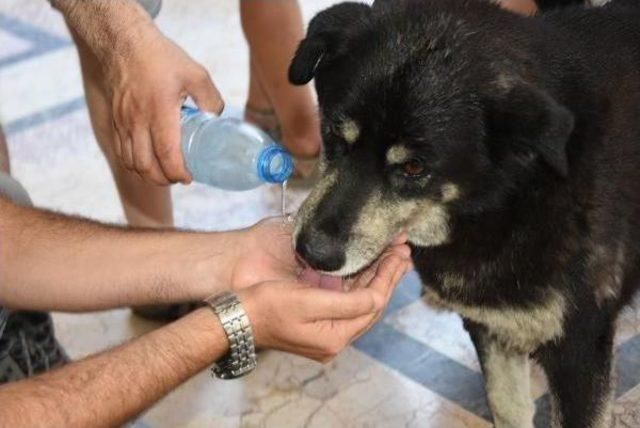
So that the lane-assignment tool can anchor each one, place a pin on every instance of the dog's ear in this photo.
(324, 39)
(526, 119)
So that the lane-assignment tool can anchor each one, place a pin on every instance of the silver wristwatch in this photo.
(241, 358)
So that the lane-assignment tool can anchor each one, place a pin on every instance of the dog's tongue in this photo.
(323, 281)
(331, 282)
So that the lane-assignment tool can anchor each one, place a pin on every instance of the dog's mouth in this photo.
(322, 280)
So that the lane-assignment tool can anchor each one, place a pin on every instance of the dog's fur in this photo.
(509, 148)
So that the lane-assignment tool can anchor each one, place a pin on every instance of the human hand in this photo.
(148, 80)
(264, 252)
(304, 319)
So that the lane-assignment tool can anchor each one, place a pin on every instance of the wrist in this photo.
(205, 262)
(111, 29)
(204, 330)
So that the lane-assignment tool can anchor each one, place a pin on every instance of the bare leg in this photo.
(4, 154)
(259, 109)
(524, 7)
(273, 30)
(145, 204)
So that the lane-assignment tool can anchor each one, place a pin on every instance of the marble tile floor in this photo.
(416, 368)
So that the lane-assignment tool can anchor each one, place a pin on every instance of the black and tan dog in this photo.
(509, 149)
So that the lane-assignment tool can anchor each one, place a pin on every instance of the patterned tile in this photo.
(34, 40)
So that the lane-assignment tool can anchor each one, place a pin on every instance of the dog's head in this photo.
(426, 114)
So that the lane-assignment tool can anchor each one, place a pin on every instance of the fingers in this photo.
(204, 92)
(144, 158)
(318, 304)
(117, 143)
(165, 135)
(153, 151)
(127, 152)
(362, 324)
(401, 238)
(390, 271)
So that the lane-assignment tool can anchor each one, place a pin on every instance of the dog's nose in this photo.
(320, 252)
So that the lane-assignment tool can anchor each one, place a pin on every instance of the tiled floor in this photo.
(416, 368)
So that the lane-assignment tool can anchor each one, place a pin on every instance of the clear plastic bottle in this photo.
(231, 154)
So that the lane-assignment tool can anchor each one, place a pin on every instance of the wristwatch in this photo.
(241, 358)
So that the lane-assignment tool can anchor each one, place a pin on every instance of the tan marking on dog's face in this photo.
(429, 226)
(322, 163)
(350, 131)
(450, 192)
(518, 329)
(398, 154)
(381, 220)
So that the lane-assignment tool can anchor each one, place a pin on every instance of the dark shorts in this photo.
(27, 342)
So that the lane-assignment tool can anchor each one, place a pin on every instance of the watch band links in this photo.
(241, 358)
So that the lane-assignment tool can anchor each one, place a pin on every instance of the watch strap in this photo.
(241, 358)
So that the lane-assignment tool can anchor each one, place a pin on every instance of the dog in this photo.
(508, 148)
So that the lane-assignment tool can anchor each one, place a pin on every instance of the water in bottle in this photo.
(231, 154)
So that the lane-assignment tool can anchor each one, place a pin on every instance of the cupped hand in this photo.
(148, 82)
(264, 252)
(300, 318)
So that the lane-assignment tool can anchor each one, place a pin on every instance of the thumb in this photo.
(204, 92)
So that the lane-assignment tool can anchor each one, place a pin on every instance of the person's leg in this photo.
(258, 109)
(273, 30)
(145, 204)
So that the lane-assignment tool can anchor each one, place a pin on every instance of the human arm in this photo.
(147, 78)
(110, 388)
(114, 386)
(54, 262)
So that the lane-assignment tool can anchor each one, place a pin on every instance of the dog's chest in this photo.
(519, 328)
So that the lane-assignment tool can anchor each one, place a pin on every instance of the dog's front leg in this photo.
(578, 367)
(507, 380)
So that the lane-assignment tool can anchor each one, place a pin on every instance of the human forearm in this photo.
(108, 27)
(54, 262)
(110, 388)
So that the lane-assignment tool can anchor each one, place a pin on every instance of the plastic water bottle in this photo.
(231, 154)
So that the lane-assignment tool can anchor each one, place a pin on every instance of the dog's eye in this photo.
(413, 168)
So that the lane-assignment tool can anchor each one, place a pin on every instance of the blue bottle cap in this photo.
(186, 111)
(275, 164)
